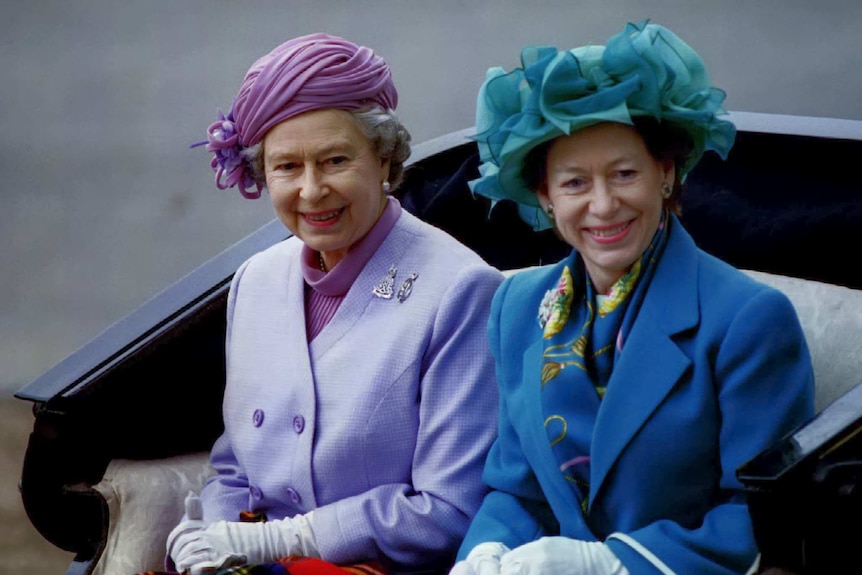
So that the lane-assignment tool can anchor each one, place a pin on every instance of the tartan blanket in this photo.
(294, 565)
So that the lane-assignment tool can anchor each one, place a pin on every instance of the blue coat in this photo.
(715, 369)
(382, 423)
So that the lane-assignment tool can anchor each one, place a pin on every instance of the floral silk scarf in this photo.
(585, 334)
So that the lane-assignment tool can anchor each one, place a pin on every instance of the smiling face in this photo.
(325, 180)
(606, 191)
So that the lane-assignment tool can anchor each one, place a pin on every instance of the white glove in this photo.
(561, 556)
(189, 548)
(483, 559)
(263, 542)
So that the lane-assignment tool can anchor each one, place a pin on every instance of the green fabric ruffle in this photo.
(645, 70)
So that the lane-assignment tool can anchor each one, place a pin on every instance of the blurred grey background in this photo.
(104, 204)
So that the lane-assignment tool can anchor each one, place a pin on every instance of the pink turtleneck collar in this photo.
(326, 290)
(338, 280)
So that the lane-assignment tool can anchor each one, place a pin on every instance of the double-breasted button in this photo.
(256, 493)
(257, 417)
(294, 496)
(298, 423)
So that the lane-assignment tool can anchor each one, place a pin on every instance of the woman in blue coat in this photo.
(637, 374)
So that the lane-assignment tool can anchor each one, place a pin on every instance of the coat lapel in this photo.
(651, 362)
(359, 296)
(287, 375)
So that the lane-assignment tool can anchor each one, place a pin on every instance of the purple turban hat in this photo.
(311, 72)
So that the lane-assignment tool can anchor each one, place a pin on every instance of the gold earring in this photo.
(666, 191)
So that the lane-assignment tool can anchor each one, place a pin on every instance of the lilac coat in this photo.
(381, 424)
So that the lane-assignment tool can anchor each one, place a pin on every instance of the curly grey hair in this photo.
(388, 136)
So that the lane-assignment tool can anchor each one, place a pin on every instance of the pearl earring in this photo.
(386, 187)
(550, 211)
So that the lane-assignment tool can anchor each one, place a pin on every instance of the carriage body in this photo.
(149, 388)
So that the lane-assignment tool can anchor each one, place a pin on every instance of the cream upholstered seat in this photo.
(145, 498)
(831, 318)
(145, 501)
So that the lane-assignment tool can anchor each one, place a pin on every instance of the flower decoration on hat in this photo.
(644, 71)
(230, 167)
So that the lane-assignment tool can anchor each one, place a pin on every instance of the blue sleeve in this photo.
(765, 388)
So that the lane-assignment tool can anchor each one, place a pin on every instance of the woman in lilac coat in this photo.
(360, 399)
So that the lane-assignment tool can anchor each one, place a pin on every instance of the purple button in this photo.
(256, 493)
(294, 496)
(298, 423)
(257, 417)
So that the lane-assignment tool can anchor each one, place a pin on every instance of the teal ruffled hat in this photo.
(645, 70)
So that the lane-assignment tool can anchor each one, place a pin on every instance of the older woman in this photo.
(638, 373)
(360, 395)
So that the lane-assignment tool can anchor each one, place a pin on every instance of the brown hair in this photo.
(663, 140)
